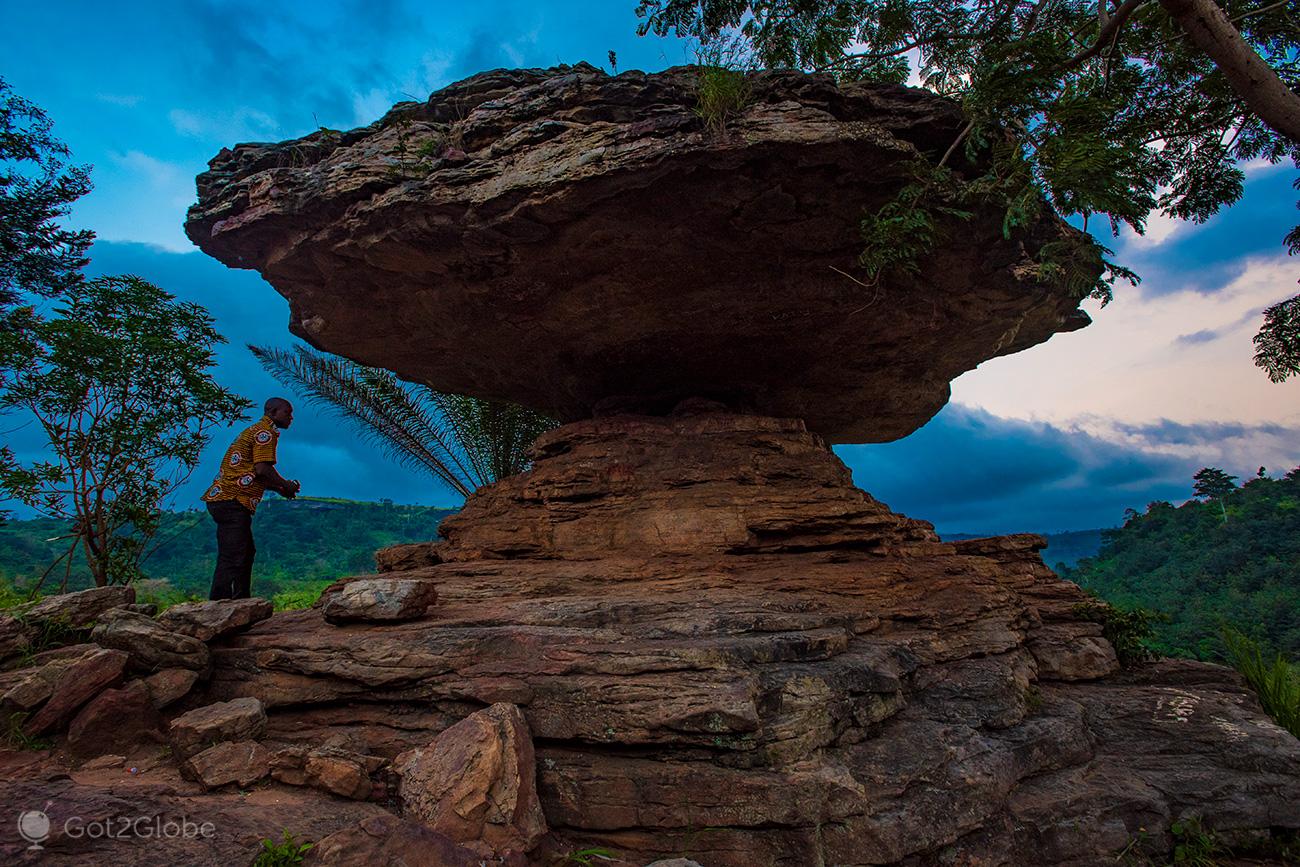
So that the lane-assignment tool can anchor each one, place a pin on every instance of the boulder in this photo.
(239, 720)
(35, 686)
(150, 645)
(170, 685)
(114, 721)
(15, 637)
(80, 608)
(485, 267)
(328, 768)
(477, 782)
(404, 558)
(390, 840)
(241, 762)
(210, 620)
(379, 600)
(75, 685)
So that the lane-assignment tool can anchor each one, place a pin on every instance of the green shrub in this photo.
(1276, 683)
(283, 854)
(1128, 630)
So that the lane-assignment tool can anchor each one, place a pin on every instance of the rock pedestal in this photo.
(725, 651)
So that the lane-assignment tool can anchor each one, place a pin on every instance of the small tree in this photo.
(37, 255)
(1213, 483)
(118, 378)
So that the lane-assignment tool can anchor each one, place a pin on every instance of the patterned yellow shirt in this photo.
(237, 481)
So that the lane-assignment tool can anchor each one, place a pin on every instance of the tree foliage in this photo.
(37, 187)
(118, 379)
(461, 441)
(1187, 563)
(1213, 483)
(1111, 110)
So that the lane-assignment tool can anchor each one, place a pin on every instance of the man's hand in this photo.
(276, 482)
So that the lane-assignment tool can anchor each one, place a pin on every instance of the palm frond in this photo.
(464, 442)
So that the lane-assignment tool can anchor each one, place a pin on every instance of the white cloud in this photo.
(241, 124)
(149, 197)
(369, 107)
(1183, 356)
(124, 100)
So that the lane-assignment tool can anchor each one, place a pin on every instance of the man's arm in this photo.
(266, 474)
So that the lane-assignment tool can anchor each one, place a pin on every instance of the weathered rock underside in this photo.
(724, 650)
(580, 244)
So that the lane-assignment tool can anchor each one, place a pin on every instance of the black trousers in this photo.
(233, 577)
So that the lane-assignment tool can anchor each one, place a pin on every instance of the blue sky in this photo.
(1066, 435)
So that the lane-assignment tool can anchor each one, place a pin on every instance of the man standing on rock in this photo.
(247, 470)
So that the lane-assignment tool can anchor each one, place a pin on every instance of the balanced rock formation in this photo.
(721, 649)
(577, 243)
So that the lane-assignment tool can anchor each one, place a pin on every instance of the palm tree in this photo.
(462, 441)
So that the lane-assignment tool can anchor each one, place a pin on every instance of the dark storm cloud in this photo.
(1166, 432)
(970, 471)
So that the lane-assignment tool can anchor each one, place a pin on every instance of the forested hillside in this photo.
(299, 542)
(1229, 559)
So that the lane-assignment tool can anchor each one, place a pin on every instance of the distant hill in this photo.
(1203, 571)
(1066, 548)
(302, 541)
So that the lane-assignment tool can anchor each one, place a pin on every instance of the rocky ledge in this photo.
(583, 244)
(690, 637)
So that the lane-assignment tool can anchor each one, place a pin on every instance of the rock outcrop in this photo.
(723, 649)
(581, 243)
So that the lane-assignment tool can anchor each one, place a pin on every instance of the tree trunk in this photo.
(1254, 81)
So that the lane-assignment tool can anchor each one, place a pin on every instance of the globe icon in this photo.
(34, 826)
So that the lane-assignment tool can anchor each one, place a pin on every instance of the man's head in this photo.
(280, 411)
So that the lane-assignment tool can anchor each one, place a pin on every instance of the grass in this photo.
(722, 90)
(1194, 845)
(585, 857)
(283, 854)
(1276, 682)
(15, 738)
(299, 597)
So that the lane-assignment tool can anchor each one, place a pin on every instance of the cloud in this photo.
(971, 471)
(238, 125)
(1184, 355)
(124, 100)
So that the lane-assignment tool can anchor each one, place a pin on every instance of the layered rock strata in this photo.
(725, 651)
(581, 243)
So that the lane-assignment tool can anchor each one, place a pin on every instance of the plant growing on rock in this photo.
(722, 89)
(285, 853)
(1275, 682)
(1113, 110)
(1128, 630)
(464, 442)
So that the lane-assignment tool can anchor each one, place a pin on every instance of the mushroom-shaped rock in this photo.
(580, 243)
(215, 618)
